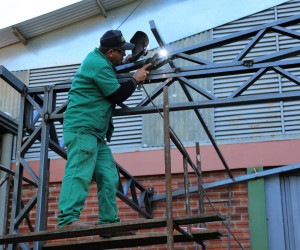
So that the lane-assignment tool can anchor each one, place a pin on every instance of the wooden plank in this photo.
(132, 241)
(107, 228)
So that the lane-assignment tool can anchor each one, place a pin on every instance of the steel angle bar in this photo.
(27, 219)
(220, 69)
(53, 133)
(31, 139)
(156, 92)
(43, 188)
(56, 117)
(287, 74)
(195, 87)
(62, 108)
(57, 149)
(204, 71)
(278, 55)
(221, 102)
(250, 45)
(168, 176)
(25, 211)
(255, 175)
(130, 66)
(248, 83)
(29, 171)
(287, 32)
(62, 86)
(156, 34)
(34, 104)
(236, 36)
(127, 176)
(237, 179)
(136, 203)
(192, 59)
(12, 80)
(13, 173)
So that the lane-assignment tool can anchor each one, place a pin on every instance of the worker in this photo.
(88, 125)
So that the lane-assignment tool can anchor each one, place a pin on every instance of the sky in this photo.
(16, 11)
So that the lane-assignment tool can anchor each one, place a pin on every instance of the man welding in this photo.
(88, 124)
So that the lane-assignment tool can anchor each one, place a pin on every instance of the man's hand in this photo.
(141, 74)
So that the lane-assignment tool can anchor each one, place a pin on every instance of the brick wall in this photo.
(219, 196)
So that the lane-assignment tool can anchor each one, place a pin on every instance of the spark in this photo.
(163, 53)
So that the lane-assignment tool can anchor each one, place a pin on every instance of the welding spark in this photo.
(163, 53)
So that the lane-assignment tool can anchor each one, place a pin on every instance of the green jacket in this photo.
(89, 111)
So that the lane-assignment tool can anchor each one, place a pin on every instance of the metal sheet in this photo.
(252, 120)
(57, 19)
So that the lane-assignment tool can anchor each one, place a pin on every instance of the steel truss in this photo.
(40, 102)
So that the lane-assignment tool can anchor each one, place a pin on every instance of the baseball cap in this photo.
(113, 39)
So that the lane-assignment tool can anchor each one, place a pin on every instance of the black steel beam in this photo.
(156, 92)
(221, 102)
(287, 32)
(13, 173)
(248, 83)
(12, 80)
(250, 45)
(236, 36)
(221, 69)
(287, 74)
(237, 179)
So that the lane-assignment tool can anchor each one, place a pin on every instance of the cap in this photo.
(113, 39)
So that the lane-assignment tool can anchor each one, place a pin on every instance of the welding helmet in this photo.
(141, 42)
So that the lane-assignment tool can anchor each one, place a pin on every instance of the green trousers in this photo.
(88, 158)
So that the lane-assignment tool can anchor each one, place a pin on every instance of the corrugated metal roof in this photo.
(57, 19)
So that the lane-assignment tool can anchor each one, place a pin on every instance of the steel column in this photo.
(43, 189)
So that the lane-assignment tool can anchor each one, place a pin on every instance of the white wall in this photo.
(175, 19)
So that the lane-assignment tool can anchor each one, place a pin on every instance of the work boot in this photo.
(75, 223)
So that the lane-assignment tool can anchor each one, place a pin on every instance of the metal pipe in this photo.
(6, 155)
(18, 179)
(229, 215)
(186, 189)
(168, 177)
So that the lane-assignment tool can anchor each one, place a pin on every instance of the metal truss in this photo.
(37, 104)
(40, 102)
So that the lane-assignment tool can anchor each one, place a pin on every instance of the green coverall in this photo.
(87, 121)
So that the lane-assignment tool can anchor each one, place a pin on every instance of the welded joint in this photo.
(46, 117)
(248, 63)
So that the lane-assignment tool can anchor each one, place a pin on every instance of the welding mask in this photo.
(141, 42)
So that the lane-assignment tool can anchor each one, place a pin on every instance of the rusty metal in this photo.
(186, 188)
(229, 215)
(168, 176)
